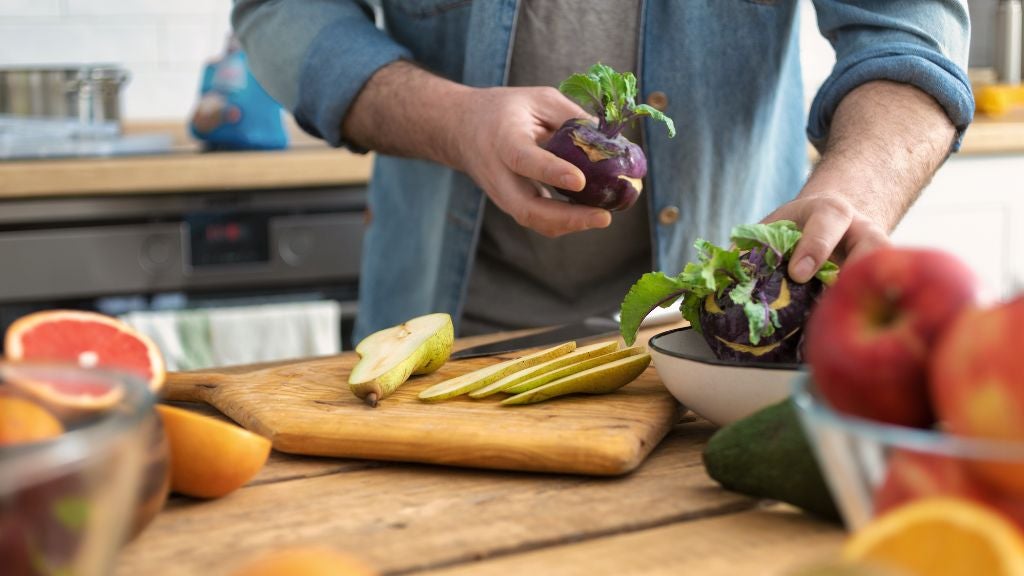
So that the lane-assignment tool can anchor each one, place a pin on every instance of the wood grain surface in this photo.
(306, 408)
(666, 517)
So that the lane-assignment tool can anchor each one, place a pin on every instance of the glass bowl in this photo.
(872, 467)
(68, 503)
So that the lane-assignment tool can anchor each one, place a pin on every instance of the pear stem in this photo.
(371, 399)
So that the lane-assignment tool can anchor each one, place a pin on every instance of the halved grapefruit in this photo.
(89, 339)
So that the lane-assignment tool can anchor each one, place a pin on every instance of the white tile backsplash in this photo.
(30, 8)
(218, 8)
(76, 43)
(182, 40)
(166, 92)
(164, 44)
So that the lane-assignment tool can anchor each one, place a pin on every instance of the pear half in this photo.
(388, 358)
(571, 358)
(601, 379)
(484, 376)
(542, 379)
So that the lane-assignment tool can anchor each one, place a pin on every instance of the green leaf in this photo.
(761, 319)
(612, 97)
(690, 308)
(828, 273)
(781, 236)
(585, 90)
(718, 268)
(629, 88)
(651, 290)
(655, 114)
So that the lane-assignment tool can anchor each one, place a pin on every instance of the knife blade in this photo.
(587, 329)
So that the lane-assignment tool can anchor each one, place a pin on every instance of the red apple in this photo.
(914, 475)
(977, 384)
(869, 337)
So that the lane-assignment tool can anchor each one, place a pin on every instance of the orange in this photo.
(23, 421)
(306, 561)
(88, 339)
(941, 537)
(210, 458)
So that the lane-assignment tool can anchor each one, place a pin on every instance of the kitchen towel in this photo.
(192, 339)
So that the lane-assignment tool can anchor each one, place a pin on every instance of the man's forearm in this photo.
(405, 111)
(885, 143)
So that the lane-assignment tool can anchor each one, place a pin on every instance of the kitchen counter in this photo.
(185, 168)
(666, 517)
(307, 163)
(995, 135)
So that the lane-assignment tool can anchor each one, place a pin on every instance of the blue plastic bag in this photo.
(234, 112)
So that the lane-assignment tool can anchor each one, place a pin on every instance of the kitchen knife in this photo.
(589, 328)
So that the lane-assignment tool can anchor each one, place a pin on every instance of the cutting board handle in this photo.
(192, 386)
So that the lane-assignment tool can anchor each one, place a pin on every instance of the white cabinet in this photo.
(974, 208)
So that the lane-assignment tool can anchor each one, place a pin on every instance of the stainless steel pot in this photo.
(89, 93)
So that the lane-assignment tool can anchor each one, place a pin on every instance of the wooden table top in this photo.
(667, 517)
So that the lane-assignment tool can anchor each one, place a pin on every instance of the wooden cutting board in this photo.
(306, 408)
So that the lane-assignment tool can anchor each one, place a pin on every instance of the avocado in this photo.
(767, 455)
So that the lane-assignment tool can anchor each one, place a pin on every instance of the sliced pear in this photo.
(570, 358)
(601, 379)
(564, 371)
(388, 358)
(484, 376)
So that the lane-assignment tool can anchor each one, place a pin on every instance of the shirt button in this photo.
(668, 215)
(657, 100)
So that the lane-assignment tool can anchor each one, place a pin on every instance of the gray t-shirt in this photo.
(520, 278)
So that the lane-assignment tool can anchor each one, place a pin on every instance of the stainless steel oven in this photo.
(133, 251)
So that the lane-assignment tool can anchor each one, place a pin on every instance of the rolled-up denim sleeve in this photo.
(919, 42)
(314, 56)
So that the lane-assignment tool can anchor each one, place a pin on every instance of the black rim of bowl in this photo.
(653, 345)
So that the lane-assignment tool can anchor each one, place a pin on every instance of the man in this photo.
(447, 94)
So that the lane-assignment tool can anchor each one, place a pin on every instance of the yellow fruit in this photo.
(306, 561)
(23, 421)
(210, 458)
(941, 537)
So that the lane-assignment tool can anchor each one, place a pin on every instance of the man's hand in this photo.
(498, 141)
(493, 134)
(885, 143)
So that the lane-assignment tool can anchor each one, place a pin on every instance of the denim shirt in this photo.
(729, 69)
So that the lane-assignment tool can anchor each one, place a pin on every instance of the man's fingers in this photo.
(520, 199)
(823, 231)
(864, 236)
(553, 218)
(528, 159)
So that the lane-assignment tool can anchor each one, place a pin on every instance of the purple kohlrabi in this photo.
(613, 166)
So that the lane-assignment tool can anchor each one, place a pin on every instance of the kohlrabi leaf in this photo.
(612, 97)
(650, 291)
(585, 90)
(655, 114)
(828, 272)
(717, 270)
(780, 237)
(761, 319)
(737, 273)
(690, 307)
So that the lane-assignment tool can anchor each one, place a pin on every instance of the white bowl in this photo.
(719, 391)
